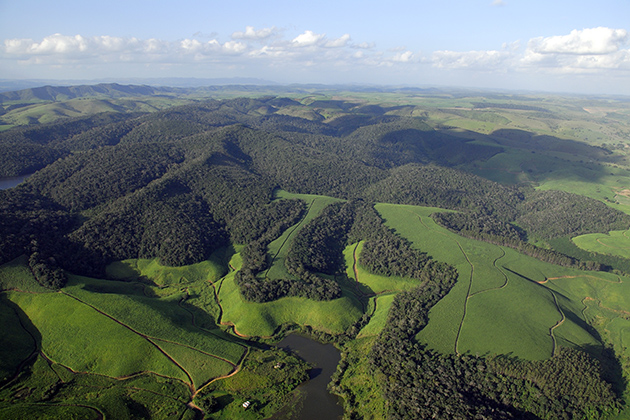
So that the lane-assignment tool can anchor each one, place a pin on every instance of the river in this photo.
(318, 403)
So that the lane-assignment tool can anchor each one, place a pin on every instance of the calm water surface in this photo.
(318, 404)
(12, 181)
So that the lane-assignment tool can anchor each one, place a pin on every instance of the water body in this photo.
(12, 181)
(318, 403)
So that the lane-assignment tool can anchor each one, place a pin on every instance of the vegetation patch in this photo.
(267, 380)
(81, 338)
(614, 243)
(262, 319)
(151, 270)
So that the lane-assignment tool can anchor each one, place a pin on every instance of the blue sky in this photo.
(552, 45)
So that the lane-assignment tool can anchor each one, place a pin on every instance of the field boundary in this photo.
(297, 225)
(560, 322)
(470, 279)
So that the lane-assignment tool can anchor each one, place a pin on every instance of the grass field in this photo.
(279, 247)
(614, 243)
(15, 275)
(262, 319)
(161, 318)
(134, 269)
(498, 304)
(117, 328)
(17, 342)
(77, 336)
(379, 317)
(370, 283)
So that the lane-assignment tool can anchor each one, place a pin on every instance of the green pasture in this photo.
(160, 318)
(150, 269)
(262, 319)
(370, 283)
(77, 336)
(116, 328)
(202, 367)
(49, 411)
(614, 243)
(278, 248)
(378, 320)
(497, 305)
(15, 275)
(363, 380)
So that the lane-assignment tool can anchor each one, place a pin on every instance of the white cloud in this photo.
(307, 39)
(582, 51)
(498, 3)
(252, 34)
(486, 60)
(403, 57)
(342, 41)
(586, 41)
(597, 52)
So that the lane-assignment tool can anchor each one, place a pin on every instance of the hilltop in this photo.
(441, 221)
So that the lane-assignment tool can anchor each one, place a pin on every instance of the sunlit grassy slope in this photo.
(117, 328)
(614, 243)
(500, 303)
(262, 319)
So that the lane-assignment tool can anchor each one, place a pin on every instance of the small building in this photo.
(246, 404)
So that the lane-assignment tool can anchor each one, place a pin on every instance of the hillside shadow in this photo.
(30, 333)
(539, 157)
(610, 367)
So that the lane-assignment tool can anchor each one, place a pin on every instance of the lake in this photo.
(318, 402)
(12, 181)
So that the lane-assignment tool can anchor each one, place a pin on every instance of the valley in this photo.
(466, 252)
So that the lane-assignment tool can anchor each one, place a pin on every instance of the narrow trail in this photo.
(619, 281)
(560, 322)
(220, 317)
(599, 241)
(355, 269)
(619, 312)
(190, 384)
(99, 414)
(470, 280)
(297, 225)
(218, 321)
(506, 280)
(145, 336)
(354, 266)
(236, 370)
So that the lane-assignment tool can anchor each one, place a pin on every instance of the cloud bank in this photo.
(596, 51)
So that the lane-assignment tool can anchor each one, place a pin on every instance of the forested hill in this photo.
(59, 93)
(121, 185)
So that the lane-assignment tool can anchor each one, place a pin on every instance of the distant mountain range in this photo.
(8, 85)
(62, 93)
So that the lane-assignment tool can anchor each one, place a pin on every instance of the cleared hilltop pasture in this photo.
(614, 243)
(500, 304)
(114, 329)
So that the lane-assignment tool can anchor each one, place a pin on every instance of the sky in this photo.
(572, 46)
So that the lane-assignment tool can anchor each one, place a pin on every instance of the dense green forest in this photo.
(186, 182)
